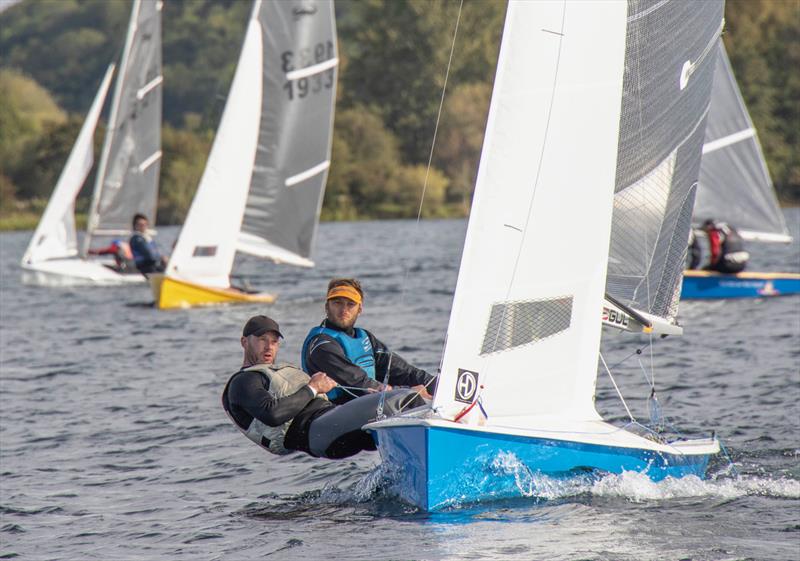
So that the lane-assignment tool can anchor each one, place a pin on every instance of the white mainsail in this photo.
(735, 185)
(533, 272)
(531, 283)
(264, 181)
(127, 176)
(55, 236)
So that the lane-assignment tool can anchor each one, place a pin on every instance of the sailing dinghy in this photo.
(735, 187)
(602, 103)
(127, 176)
(262, 188)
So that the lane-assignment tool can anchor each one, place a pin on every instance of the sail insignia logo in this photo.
(466, 385)
(615, 317)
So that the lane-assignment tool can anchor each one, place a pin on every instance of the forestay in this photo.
(664, 108)
(735, 185)
(128, 173)
(299, 93)
(524, 321)
(55, 235)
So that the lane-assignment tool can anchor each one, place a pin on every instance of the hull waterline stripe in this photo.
(310, 172)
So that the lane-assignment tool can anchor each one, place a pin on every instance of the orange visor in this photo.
(344, 292)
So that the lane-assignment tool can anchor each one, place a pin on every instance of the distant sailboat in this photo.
(127, 177)
(598, 109)
(263, 185)
(735, 187)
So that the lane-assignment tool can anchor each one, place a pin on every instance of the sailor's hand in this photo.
(321, 383)
(422, 391)
(381, 388)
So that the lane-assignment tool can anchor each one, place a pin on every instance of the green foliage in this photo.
(26, 110)
(44, 157)
(763, 41)
(184, 158)
(367, 177)
(460, 138)
(394, 55)
(398, 55)
(65, 45)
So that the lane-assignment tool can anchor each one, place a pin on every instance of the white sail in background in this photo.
(531, 283)
(735, 185)
(661, 136)
(127, 177)
(55, 235)
(207, 244)
(263, 184)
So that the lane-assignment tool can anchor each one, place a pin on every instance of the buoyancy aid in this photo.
(144, 252)
(284, 380)
(357, 349)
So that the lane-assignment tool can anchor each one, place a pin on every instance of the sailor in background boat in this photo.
(726, 247)
(283, 409)
(695, 251)
(352, 356)
(123, 256)
(145, 250)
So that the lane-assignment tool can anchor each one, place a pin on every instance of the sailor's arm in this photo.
(252, 394)
(401, 373)
(326, 355)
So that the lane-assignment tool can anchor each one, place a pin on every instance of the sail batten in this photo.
(720, 143)
(302, 176)
(311, 70)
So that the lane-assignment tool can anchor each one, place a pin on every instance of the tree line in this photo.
(394, 56)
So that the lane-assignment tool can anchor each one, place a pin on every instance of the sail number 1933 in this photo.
(303, 58)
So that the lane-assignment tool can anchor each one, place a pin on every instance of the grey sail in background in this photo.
(735, 185)
(128, 172)
(666, 95)
(293, 154)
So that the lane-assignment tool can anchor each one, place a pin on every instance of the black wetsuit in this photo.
(317, 427)
(247, 396)
(390, 368)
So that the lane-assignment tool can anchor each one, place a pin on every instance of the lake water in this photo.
(113, 444)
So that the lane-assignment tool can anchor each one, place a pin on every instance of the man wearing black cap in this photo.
(276, 405)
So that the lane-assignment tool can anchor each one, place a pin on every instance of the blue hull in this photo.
(435, 467)
(748, 285)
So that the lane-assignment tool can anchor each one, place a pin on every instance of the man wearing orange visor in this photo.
(352, 356)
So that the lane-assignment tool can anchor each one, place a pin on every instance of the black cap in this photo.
(258, 325)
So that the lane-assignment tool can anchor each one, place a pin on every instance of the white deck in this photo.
(76, 272)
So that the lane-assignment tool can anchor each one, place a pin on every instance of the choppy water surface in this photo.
(113, 444)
